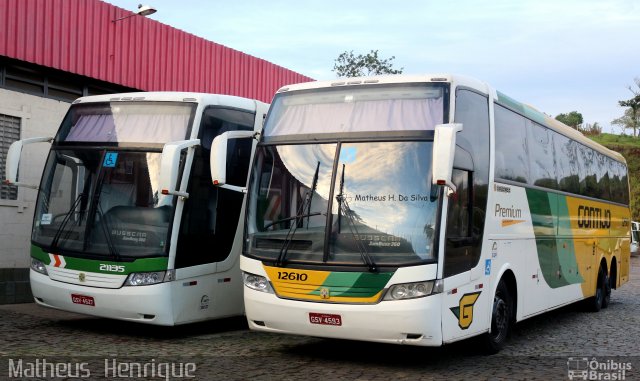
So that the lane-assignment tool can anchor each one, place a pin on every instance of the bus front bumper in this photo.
(144, 304)
(413, 321)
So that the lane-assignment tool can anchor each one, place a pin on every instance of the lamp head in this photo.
(145, 10)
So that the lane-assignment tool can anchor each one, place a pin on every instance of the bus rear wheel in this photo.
(607, 292)
(596, 302)
(500, 320)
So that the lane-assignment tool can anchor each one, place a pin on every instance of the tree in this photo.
(591, 129)
(349, 65)
(630, 118)
(572, 119)
(626, 121)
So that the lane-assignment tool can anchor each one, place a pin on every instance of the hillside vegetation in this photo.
(629, 147)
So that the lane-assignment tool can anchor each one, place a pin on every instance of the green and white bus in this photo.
(424, 210)
(128, 224)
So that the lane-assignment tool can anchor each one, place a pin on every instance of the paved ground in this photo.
(539, 348)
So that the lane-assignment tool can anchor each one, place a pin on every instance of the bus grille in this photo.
(84, 278)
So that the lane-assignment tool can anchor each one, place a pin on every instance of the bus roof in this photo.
(174, 96)
(459, 80)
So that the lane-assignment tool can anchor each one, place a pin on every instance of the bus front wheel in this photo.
(500, 320)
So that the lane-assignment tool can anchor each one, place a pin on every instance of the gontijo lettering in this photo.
(593, 218)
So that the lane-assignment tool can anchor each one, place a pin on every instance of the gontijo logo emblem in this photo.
(464, 311)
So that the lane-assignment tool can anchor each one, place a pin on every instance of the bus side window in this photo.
(211, 215)
(459, 253)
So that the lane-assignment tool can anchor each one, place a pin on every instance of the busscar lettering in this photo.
(509, 212)
(128, 235)
(501, 188)
(590, 217)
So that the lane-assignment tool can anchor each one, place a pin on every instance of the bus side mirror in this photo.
(13, 160)
(170, 167)
(218, 158)
(444, 149)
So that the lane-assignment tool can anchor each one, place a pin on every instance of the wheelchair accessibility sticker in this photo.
(110, 160)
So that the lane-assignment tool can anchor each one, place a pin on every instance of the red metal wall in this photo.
(78, 36)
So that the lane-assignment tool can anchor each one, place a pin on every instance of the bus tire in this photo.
(607, 292)
(500, 320)
(595, 303)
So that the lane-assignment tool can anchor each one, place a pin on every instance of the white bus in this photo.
(424, 210)
(128, 224)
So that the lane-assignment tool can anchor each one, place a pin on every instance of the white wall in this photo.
(40, 117)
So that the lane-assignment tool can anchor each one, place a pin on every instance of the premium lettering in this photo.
(509, 212)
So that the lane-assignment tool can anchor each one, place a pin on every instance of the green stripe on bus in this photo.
(348, 284)
(92, 265)
(40, 255)
(566, 247)
(556, 255)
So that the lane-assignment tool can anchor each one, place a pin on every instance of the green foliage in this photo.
(626, 121)
(630, 119)
(572, 119)
(349, 65)
(612, 140)
(629, 147)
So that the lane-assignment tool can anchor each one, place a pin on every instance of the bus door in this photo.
(209, 241)
(463, 314)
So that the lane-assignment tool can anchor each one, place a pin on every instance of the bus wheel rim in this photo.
(500, 317)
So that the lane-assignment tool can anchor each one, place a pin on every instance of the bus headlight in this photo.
(414, 290)
(38, 266)
(257, 282)
(145, 279)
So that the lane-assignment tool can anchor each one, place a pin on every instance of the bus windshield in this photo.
(99, 194)
(139, 122)
(102, 203)
(357, 109)
(374, 205)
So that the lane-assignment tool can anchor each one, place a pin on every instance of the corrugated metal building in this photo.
(53, 51)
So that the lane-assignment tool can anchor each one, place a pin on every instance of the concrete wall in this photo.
(40, 117)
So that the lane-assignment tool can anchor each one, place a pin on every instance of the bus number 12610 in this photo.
(286, 275)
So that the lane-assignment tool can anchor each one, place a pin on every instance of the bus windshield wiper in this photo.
(96, 208)
(306, 205)
(65, 221)
(314, 184)
(343, 208)
(106, 229)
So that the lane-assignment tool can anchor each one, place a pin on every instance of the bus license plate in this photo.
(83, 299)
(325, 319)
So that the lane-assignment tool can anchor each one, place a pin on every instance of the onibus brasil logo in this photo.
(583, 368)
